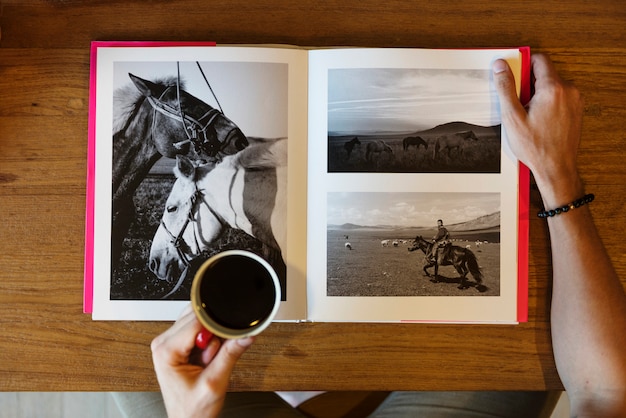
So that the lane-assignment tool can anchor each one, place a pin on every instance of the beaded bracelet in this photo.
(588, 198)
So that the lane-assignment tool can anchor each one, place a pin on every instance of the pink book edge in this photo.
(91, 154)
(524, 206)
(90, 184)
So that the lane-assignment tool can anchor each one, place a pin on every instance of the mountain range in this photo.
(481, 223)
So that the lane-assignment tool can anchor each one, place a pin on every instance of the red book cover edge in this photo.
(523, 205)
(91, 154)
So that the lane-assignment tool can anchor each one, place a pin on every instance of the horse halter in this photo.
(178, 241)
(199, 131)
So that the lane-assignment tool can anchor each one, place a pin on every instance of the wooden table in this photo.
(47, 343)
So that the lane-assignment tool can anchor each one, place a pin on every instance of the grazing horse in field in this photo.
(245, 191)
(463, 260)
(413, 140)
(349, 145)
(455, 141)
(154, 119)
(376, 147)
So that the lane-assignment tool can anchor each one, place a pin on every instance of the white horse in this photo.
(456, 141)
(246, 191)
(376, 147)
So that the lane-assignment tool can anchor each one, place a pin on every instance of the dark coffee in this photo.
(237, 292)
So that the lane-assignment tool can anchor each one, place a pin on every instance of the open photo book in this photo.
(378, 183)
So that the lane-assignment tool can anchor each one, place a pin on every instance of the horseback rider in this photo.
(439, 240)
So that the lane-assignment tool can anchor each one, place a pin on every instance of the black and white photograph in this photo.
(413, 244)
(195, 146)
(402, 120)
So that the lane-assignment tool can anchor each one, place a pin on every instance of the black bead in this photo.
(588, 198)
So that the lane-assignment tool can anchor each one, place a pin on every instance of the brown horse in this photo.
(349, 145)
(463, 260)
(455, 141)
(414, 140)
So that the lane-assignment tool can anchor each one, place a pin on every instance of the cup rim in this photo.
(216, 328)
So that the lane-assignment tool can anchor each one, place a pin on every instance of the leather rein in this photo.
(178, 241)
(196, 132)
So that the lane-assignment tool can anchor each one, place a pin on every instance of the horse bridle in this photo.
(179, 242)
(196, 129)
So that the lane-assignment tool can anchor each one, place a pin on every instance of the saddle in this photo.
(443, 243)
(442, 251)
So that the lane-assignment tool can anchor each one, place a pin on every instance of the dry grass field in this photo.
(370, 269)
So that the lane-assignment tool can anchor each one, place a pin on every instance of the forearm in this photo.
(588, 301)
(588, 312)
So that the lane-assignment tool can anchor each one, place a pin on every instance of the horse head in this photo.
(467, 135)
(188, 225)
(415, 245)
(419, 244)
(180, 120)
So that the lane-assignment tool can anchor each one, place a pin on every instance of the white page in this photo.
(387, 94)
(244, 88)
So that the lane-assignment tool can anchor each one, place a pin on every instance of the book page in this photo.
(154, 103)
(406, 150)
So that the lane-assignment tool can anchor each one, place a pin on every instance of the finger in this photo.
(208, 354)
(203, 338)
(186, 311)
(175, 345)
(505, 87)
(543, 69)
(225, 359)
(186, 320)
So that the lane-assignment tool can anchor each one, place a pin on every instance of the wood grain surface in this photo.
(47, 343)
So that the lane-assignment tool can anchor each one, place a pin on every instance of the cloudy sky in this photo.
(408, 99)
(409, 209)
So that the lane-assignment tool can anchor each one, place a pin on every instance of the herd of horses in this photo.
(442, 144)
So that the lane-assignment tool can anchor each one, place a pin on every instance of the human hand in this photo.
(194, 390)
(546, 136)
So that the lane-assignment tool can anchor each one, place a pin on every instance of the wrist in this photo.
(556, 193)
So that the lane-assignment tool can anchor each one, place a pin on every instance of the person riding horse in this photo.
(439, 240)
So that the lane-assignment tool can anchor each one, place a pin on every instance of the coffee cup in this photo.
(235, 294)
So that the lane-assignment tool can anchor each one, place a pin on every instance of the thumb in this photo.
(504, 81)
